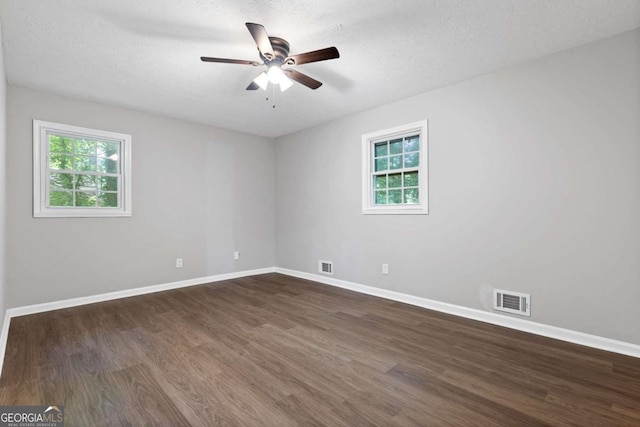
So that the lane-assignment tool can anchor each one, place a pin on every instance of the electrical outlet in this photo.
(385, 268)
(236, 255)
(178, 262)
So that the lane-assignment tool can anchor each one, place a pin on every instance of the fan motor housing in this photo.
(280, 49)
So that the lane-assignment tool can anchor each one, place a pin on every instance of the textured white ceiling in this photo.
(144, 54)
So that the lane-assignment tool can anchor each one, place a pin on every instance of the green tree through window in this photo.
(83, 172)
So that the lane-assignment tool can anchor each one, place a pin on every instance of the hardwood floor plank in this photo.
(188, 397)
(145, 401)
(273, 350)
(92, 402)
(305, 411)
(273, 388)
(74, 336)
(377, 361)
(22, 393)
(423, 380)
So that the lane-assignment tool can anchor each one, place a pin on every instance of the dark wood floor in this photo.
(276, 351)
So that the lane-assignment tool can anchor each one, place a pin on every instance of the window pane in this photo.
(394, 170)
(411, 143)
(108, 200)
(411, 179)
(411, 160)
(84, 172)
(411, 196)
(107, 183)
(86, 182)
(395, 180)
(85, 147)
(59, 181)
(395, 196)
(108, 149)
(60, 144)
(395, 162)
(61, 198)
(85, 164)
(85, 199)
(395, 146)
(381, 164)
(60, 162)
(107, 166)
(381, 149)
(381, 197)
(380, 181)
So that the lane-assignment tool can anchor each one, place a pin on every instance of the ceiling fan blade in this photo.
(315, 56)
(303, 79)
(259, 34)
(229, 61)
(253, 86)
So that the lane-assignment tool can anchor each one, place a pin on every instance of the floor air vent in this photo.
(512, 302)
(325, 267)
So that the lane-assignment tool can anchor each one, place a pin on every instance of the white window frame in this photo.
(41, 178)
(368, 141)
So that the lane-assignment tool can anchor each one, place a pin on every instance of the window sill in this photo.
(395, 211)
(84, 214)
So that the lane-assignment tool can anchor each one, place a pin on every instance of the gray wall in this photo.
(534, 187)
(199, 193)
(3, 163)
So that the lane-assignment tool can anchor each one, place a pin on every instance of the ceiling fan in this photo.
(274, 53)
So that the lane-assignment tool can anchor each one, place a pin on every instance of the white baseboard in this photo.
(575, 337)
(3, 337)
(74, 302)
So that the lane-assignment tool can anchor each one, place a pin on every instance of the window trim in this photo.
(40, 209)
(368, 140)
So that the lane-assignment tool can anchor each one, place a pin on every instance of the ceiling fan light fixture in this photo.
(285, 83)
(275, 74)
(262, 80)
(277, 77)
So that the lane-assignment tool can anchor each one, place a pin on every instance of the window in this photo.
(394, 168)
(79, 172)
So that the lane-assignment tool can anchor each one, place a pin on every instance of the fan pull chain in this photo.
(273, 95)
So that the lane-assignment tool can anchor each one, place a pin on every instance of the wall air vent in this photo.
(512, 302)
(325, 267)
